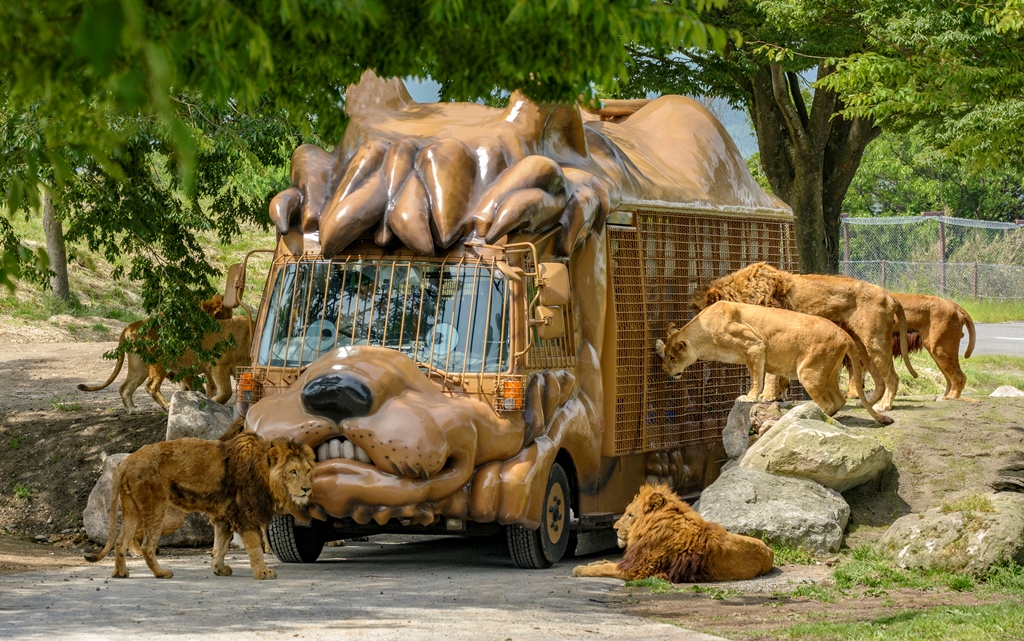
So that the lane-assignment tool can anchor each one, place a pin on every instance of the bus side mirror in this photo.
(234, 287)
(549, 322)
(553, 280)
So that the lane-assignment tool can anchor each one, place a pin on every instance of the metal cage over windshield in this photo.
(450, 315)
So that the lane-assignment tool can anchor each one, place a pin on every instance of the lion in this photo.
(936, 325)
(869, 313)
(666, 538)
(239, 481)
(773, 341)
(218, 374)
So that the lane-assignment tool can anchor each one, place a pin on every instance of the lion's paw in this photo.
(264, 574)
(224, 570)
(166, 574)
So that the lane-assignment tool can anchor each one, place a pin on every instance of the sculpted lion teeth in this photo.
(335, 448)
(348, 450)
(323, 452)
(361, 455)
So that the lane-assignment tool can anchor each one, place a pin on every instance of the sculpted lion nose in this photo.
(337, 396)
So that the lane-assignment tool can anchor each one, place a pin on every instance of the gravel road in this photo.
(390, 587)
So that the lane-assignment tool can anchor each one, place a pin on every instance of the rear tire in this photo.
(294, 544)
(545, 546)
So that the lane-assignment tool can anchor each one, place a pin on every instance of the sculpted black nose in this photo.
(337, 397)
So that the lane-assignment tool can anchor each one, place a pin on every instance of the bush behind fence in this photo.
(941, 255)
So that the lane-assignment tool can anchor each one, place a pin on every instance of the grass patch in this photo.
(100, 327)
(997, 621)
(14, 443)
(655, 584)
(786, 554)
(993, 311)
(973, 503)
(717, 594)
(60, 405)
(22, 492)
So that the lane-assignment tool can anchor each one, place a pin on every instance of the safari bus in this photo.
(461, 309)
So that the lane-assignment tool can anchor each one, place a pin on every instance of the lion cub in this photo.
(774, 341)
(240, 481)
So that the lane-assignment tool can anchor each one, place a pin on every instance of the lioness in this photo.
(666, 538)
(939, 323)
(239, 481)
(773, 341)
(218, 374)
(869, 313)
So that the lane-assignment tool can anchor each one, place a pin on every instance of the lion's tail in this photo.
(966, 320)
(115, 495)
(856, 369)
(113, 375)
(901, 318)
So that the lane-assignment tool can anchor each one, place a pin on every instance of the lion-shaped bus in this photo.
(462, 307)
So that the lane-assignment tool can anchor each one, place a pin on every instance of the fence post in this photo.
(975, 280)
(846, 245)
(883, 274)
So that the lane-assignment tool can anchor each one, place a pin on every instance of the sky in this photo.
(736, 122)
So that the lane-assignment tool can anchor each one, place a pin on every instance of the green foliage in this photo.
(952, 68)
(993, 311)
(972, 503)
(60, 405)
(960, 582)
(14, 443)
(786, 554)
(655, 584)
(901, 174)
(716, 594)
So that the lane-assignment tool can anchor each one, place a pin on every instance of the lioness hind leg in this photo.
(125, 536)
(150, 539)
(254, 547)
(606, 569)
(221, 540)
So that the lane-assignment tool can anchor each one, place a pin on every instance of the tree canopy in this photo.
(954, 69)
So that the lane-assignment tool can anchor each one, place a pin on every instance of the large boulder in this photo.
(966, 538)
(194, 414)
(195, 532)
(803, 445)
(792, 511)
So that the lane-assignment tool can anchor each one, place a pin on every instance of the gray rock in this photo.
(966, 540)
(736, 432)
(195, 532)
(1006, 390)
(781, 509)
(194, 414)
(825, 452)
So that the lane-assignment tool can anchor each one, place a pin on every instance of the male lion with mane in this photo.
(218, 373)
(869, 313)
(770, 341)
(666, 538)
(239, 481)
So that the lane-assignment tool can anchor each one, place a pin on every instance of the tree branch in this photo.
(798, 97)
(780, 92)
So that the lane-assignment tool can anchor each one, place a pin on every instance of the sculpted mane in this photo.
(428, 175)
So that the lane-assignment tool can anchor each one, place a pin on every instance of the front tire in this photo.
(545, 546)
(294, 544)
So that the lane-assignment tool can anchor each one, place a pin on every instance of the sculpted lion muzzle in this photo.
(389, 444)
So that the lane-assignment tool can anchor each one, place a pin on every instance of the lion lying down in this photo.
(240, 481)
(664, 537)
(774, 341)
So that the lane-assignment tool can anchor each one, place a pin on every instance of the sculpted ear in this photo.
(654, 501)
(659, 348)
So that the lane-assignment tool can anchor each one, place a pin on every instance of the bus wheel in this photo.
(545, 546)
(294, 544)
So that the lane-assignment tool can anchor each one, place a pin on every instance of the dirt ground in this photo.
(54, 438)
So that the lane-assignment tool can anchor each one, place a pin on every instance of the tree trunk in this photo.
(809, 156)
(55, 250)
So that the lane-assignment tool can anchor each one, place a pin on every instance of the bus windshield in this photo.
(452, 317)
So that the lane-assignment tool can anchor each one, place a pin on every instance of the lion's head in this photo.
(756, 284)
(292, 471)
(675, 353)
(643, 510)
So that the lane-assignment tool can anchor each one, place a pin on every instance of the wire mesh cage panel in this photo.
(657, 266)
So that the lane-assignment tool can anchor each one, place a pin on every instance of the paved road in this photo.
(997, 338)
(390, 587)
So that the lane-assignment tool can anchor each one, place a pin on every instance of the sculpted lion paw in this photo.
(264, 574)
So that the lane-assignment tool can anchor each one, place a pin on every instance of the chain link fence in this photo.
(941, 255)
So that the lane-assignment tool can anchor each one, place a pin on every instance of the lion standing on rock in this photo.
(664, 537)
(239, 481)
(869, 313)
